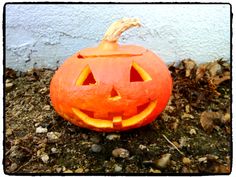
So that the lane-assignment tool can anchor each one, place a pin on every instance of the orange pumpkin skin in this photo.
(121, 88)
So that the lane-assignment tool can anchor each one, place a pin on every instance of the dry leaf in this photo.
(214, 68)
(189, 66)
(163, 161)
(210, 69)
(200, 71)
(217, 79)
(207, 120)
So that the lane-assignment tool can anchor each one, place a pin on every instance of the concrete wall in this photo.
(45, 35)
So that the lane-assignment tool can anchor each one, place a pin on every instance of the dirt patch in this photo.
(192, 135)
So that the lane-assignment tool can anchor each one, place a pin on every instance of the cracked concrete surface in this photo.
(45, 35)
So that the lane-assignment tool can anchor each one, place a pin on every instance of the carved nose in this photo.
(114, 95)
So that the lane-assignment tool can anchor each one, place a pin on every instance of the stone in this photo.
(112, 137)
(53, 136)
(186, 160)
(8, 85)
(117, 168)
(79, 170)
(192, 132)
(163, 161)
(142, 147)
(154, 171)
(41, 130)
(44, 158)
(120, 152)
(68, 171)
(58, 170)
(96, 148)
(202, 159)
(54, 150)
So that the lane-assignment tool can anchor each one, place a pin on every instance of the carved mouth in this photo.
(117, 121)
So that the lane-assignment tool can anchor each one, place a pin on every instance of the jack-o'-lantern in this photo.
(111, 87)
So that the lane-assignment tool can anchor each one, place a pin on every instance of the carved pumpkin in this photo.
(111, 87)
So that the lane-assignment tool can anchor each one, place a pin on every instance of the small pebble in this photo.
(142, 147)
(79, 170)
(8, 80)
(186, 160)
(163, 161)
(154, 171)
(187, 108)
(63, 168)
(68, 171)
(53, 136)
(120, 152)
(96, 148)
(36, 124)
(8, 85)
(192, 132)
(58, 170)
(202, 159)
(113, 137)
(117, 168)
(41, 130)
(46, 108)
(44, 158)
(54, 150)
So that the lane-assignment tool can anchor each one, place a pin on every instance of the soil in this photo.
(192, 135)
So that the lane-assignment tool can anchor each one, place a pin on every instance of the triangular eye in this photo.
(138, 74)
(86, 77)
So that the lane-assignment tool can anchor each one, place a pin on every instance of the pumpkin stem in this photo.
(113, 33)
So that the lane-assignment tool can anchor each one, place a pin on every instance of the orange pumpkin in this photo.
(111, 87)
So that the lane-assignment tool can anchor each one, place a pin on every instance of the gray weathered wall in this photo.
(45, 35)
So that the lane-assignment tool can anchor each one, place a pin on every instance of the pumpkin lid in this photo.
(121, 50)
(109, 45)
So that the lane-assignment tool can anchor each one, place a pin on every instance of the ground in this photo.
(192, 135)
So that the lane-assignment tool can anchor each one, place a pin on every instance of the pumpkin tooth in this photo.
(117, 121)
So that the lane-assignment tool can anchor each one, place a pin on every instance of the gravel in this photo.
(38, 140)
